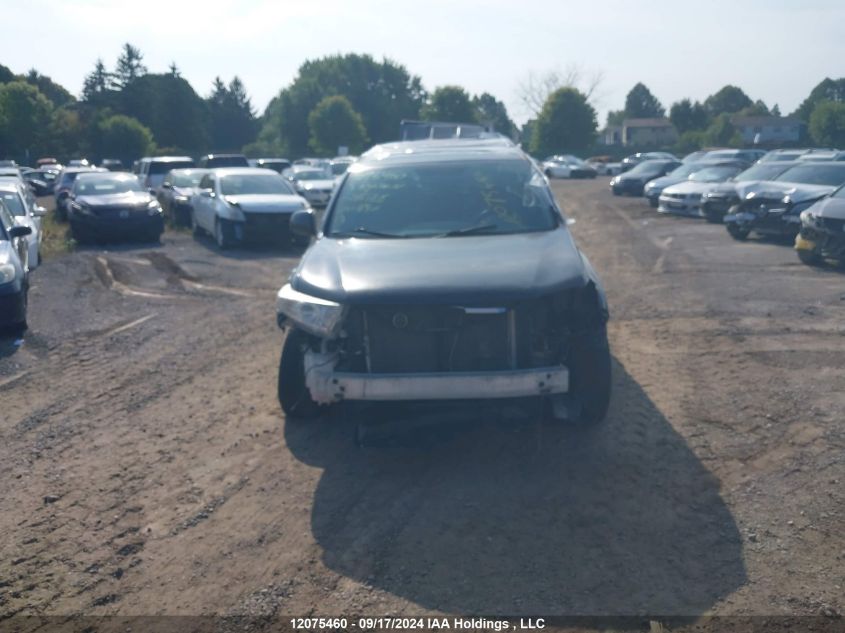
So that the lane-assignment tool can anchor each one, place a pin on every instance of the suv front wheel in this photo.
(294, 396)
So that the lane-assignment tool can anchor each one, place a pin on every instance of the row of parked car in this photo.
(231, 198)
(790, 194)
(20, 244)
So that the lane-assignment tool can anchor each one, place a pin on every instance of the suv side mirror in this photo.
(19, 231)
(302, 223)
(166, 185)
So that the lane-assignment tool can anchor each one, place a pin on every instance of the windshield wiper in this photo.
(470, 230)
(365, 231)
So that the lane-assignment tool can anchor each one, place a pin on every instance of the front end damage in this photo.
(822, 236)
(409, 352)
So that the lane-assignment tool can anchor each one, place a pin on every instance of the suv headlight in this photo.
(312, 314)
(153, 207)
(7, 273)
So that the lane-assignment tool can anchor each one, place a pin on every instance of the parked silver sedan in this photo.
(27, 213)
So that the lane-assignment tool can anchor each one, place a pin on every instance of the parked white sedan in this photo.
(567, 166)
(245, 204)
(27, 213)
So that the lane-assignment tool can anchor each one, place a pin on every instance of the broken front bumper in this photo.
(327, 386)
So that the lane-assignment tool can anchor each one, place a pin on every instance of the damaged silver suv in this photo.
(444, 270)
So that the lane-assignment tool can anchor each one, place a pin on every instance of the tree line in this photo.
(567, 121)
(349, 100)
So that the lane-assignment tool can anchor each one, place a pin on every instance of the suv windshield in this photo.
(246, 184)
(443, 199)
(815, 174)
(760, 171)
(106, 186)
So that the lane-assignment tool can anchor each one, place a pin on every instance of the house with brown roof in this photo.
(767, 130)
(657, 132)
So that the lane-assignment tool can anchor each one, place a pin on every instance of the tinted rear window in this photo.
(162, 167)
(227, 161)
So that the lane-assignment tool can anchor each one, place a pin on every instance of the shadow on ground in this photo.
(505, 518)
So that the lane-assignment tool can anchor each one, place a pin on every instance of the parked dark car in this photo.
(276, 164)
(716, 202)
(822, 232)
(14, 273)
(113, 206)
(112, 164)
(445, 273)
(175, 194)
(213, 161)
(633, 182)
(774, 208)
(37, 184)
(64, 184)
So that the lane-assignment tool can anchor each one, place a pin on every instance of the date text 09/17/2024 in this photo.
(415, 624)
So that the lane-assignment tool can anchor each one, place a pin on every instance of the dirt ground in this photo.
(148, 470)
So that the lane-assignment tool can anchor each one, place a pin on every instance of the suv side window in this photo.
(206, 182)
(6, 218)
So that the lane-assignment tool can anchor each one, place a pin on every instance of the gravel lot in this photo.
(147, 468)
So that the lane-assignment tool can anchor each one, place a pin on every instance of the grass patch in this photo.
(56, 240)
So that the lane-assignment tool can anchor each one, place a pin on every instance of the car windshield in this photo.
(815, 174)
(13, 202)
(338, 169)
(106, 186)
(714, 174)
(249, 184)
(647, 167)
(311, 175)
(684, 170)
(227, 161)
(187, 179)
(760, 171)
(489, 197)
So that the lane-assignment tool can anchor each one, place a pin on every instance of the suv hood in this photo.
(665, 181)
(833, 208)
(772, 190)
(266, 203)
(307, 185)
(129, 199)
(484, 270)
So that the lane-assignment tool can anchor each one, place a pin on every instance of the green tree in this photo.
(615, 117)
(121, 136)
(827, 90)
(567, 123)
(6, 75)
(758, 108)
(129, 67)
(722, 133)
(383, 93)
(449, 103)
(690, 141)
(728, 99)
(827, 124)
(490, 110)
(232, 117)
(49, 88)
(67, 133)
(333, 123)
(687, 116)
(641, 104)
(169, 107)
(96, 89)
(25, 116)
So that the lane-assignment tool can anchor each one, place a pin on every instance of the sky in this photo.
(775, 50)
